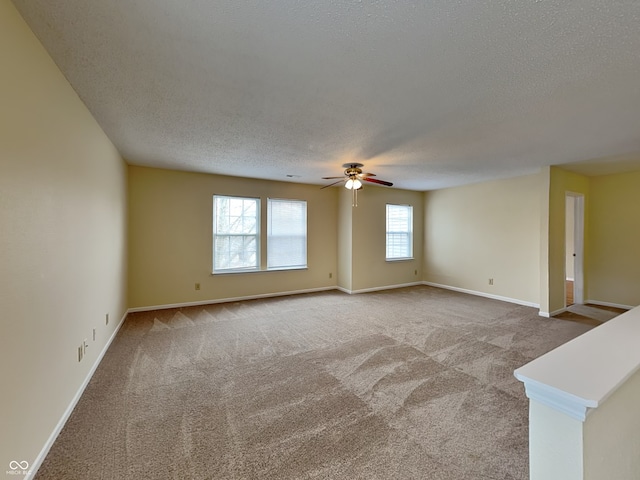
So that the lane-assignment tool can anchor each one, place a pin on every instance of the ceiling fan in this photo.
(353, 178)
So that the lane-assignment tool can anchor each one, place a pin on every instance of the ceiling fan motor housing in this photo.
(352, 168)
(352, 171)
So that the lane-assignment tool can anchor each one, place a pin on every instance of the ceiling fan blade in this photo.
(375, 180)
(367, 174)
(331, 184)
(331, 178)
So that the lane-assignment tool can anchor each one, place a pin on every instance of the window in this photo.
(236, 233)
(286, 234)
(399, 232)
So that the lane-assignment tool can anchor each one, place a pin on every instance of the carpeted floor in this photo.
(414, 383)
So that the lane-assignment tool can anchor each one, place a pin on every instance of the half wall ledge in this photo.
(583, 405)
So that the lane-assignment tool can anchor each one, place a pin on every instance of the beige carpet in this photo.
(414, 383)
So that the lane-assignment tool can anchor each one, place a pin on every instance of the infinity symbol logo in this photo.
(13, 465)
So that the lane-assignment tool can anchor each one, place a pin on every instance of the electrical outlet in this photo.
(491, 281)
(107, 319)
(415, 272)
(85, 345)
(80, 353)
(330, 275)
(94, 334)
(197, 286)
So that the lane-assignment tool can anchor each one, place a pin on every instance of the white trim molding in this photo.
(566, 385)
(582, 373)
(551, 314)
(229, 299)
(377, 289)
(483, 294)
(571, 405)
(74, 401)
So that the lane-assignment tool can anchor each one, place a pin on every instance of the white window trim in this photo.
(257, 236)
(306, 235)
(399, 259)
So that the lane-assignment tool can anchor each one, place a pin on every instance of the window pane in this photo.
(286, 233)
(235, 233)
(399, 231)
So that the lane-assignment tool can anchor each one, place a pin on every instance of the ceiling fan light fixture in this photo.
(353, 184)
(354, 180)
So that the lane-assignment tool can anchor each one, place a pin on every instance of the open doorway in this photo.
(574, 248)
(576, 309)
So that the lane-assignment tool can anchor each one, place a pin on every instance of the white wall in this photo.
(62, 241)
(555, 444)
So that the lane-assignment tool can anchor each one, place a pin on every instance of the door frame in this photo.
(578, 246)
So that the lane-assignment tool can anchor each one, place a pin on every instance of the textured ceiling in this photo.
(427, 94)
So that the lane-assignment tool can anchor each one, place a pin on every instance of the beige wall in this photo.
(553, 290)
(486, 230)
(170, 238)
(345, 240)
(614, 235)
(611, 236)
(611, 440)
(370, 270)
(62, 238)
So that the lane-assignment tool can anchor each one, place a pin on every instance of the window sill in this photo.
(236, 272)
(405, 259)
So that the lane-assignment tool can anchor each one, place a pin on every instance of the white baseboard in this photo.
(229, 299)
(377, 289)
(552, 314)
(483, 294)
(609, 304)
(67, 413)
(63, 420)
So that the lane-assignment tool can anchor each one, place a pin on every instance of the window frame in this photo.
(256, 236)
(269, 217)
(408, 233)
